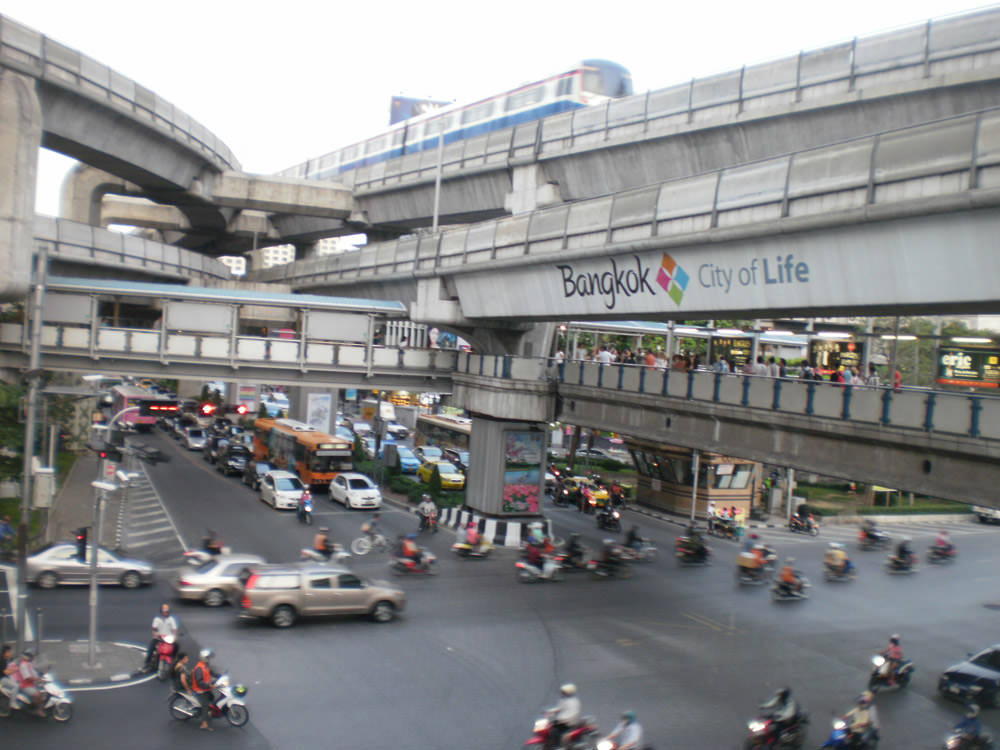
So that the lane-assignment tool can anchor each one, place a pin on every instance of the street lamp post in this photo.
(102, 489)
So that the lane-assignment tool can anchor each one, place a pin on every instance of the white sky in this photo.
(281, 82)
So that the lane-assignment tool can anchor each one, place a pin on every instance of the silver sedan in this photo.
(59, 564)
(215, 581)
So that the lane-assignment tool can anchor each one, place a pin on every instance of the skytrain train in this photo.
(590, 82)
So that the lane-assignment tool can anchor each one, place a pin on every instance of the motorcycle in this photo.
(580, 737)
(198, 557)
(165, 649)
(939, 554)
(404, 565)
(226, 700)
(601, 569)
(464, 549)
(617, 496)
(784, 593)
(691, 557)
(574, 563)
(752, 574)
(764, 733)
(528, 573)
(645, 552)
(896, 566)
(836, 575)
(610, 520)
(428, 522)
(880, 674)
(959, 740)
(873, 539)
(808, 525)
(338, 553)
(722, 527)
(843, 738)
(57, 702)
(305, 510)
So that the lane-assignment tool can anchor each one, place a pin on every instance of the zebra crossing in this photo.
(145, 528)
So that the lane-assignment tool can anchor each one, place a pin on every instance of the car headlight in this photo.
(839, 724)
(605, 745)
(976, 689)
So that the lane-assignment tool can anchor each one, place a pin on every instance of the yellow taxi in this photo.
(596, 494)
(451, 477)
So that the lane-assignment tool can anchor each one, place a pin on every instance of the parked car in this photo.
(194, 439)
(977, 679)
(255, 471)
(598, 453)
(355, 490)
(369, 446)
(216, 581)
(214, 444)
(361, 429)
(281, 489)
(408, 461)
(181, 425)
(58, 564)
(451, 477)
(429, 453)
(398, 431)
(284, 593)
(233, 458)
(457, 457)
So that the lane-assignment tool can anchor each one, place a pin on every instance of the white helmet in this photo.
(568, 689)
(836, 545)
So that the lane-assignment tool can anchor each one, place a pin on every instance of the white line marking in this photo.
(165, 511)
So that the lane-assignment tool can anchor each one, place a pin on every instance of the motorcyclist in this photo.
(565, 715)
(782, 708)
(611, 556)
(211, 543)
(692, 544)
(868, 529)
(574, 550)
(6, 656)
(412, 551)
(304, 499)
(606, 515)
(836, 558)
(164, 624)
(321, 542)
(943, 544)
(632, 539)
(427, 510)
(789, 580)
(627, 733)
(536, 554)
(616, 493)
(29, 680)
(472, 534)
(970, 727)
(894, 657)
(904, 554)
(202, 679)
(749, 564)
(862, 720)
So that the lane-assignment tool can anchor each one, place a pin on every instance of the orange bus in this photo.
(289, 444)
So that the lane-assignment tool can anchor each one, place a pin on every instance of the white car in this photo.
(282, 489)
(194, 438)
(361, 429)
(355, 491)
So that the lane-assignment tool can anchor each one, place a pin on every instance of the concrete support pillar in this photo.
(530, 189)
(506, 478)
(82, 194)
(20, 139)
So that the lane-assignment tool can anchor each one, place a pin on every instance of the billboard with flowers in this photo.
(522, 471)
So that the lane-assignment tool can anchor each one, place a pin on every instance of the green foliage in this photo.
(262, 411)
(434, 484)
(11, 431)
(359, 450)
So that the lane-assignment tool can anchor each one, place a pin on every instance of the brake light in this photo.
(245, 602)
(251, 581)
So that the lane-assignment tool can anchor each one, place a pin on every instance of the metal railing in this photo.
(941, 161)
(28, 51)
(971, 415)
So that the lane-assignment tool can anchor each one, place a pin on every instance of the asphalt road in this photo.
(476, 655)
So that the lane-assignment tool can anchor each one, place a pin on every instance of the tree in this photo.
(11, 431)
(434, 485)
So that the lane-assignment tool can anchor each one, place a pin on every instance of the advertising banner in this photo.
(830, 355)
(736, 350)
(971, 368)
(522, 471)
(318, 411)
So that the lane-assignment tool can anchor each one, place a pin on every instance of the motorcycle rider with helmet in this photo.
(202, 679)
(632, 538)
(782, 709)
(894, 657)
(836, 558)
(628, 732)
(29, 681)
(611, 556)
(427, 510)
(565, 715)
(903, 559)
(972, 730)
(942, 545)
(574, 550)
(692, 544)
(322, 544)
(862, 720)
(412, 551)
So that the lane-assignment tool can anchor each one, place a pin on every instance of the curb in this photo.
(119, 678)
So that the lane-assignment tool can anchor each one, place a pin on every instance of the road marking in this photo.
(149, 532)
(710, 623)
(165, 511)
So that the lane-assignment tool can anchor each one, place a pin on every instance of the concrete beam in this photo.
(139, 212)
(20, 138)
(282, 195)
(499, 398)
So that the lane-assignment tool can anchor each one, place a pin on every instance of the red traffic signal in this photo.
(207, 409)
(81, 543)
(241, 409)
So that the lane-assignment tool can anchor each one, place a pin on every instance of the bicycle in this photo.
(365, 544)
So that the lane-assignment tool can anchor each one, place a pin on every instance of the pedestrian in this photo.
(897, 381)
(773, 371)
(6, 654)
(604, 357)
(783, 368)
(650, 359)
(403, 343)
(872, 381)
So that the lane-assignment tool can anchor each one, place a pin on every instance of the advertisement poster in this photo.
(830, 355)
(736, 350)
(318, 411)
(247, 394)
(522, 471)
(969, 368)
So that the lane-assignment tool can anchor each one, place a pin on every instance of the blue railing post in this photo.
(776, 400)
(496, 365)
(690, 392)
(562, 372)
(600, 375)
(745, 400)
(975, 406)
(811, 397)
(929, 411)
(482, 357)
(716, 386)
(642, 380)
(507, 362)
(666, 381)
(468, 363)
(582, 365)
(845, 411)
(621, 375)
(886, 405)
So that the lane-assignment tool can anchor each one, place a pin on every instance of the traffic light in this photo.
(110, 452)
(81, 544)
(207, 409)
(241, 409)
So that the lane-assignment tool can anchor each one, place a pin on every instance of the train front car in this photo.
(603, 80)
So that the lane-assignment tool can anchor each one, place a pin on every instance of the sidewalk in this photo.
(69, 661)
(73, 506)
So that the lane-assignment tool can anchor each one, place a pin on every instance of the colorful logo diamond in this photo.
(672, 278)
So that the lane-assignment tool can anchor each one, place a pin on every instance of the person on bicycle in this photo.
(371, 528)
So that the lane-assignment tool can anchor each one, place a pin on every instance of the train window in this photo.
(565, 86)
(349, 154)
(375, 145)
(523, 98)
(397, 137)
(593, 81)
(477, 113)
(330, 160)
(437, 125)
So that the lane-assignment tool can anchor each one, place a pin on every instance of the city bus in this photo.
(289, 444)
(444, 431)
(126, 396)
